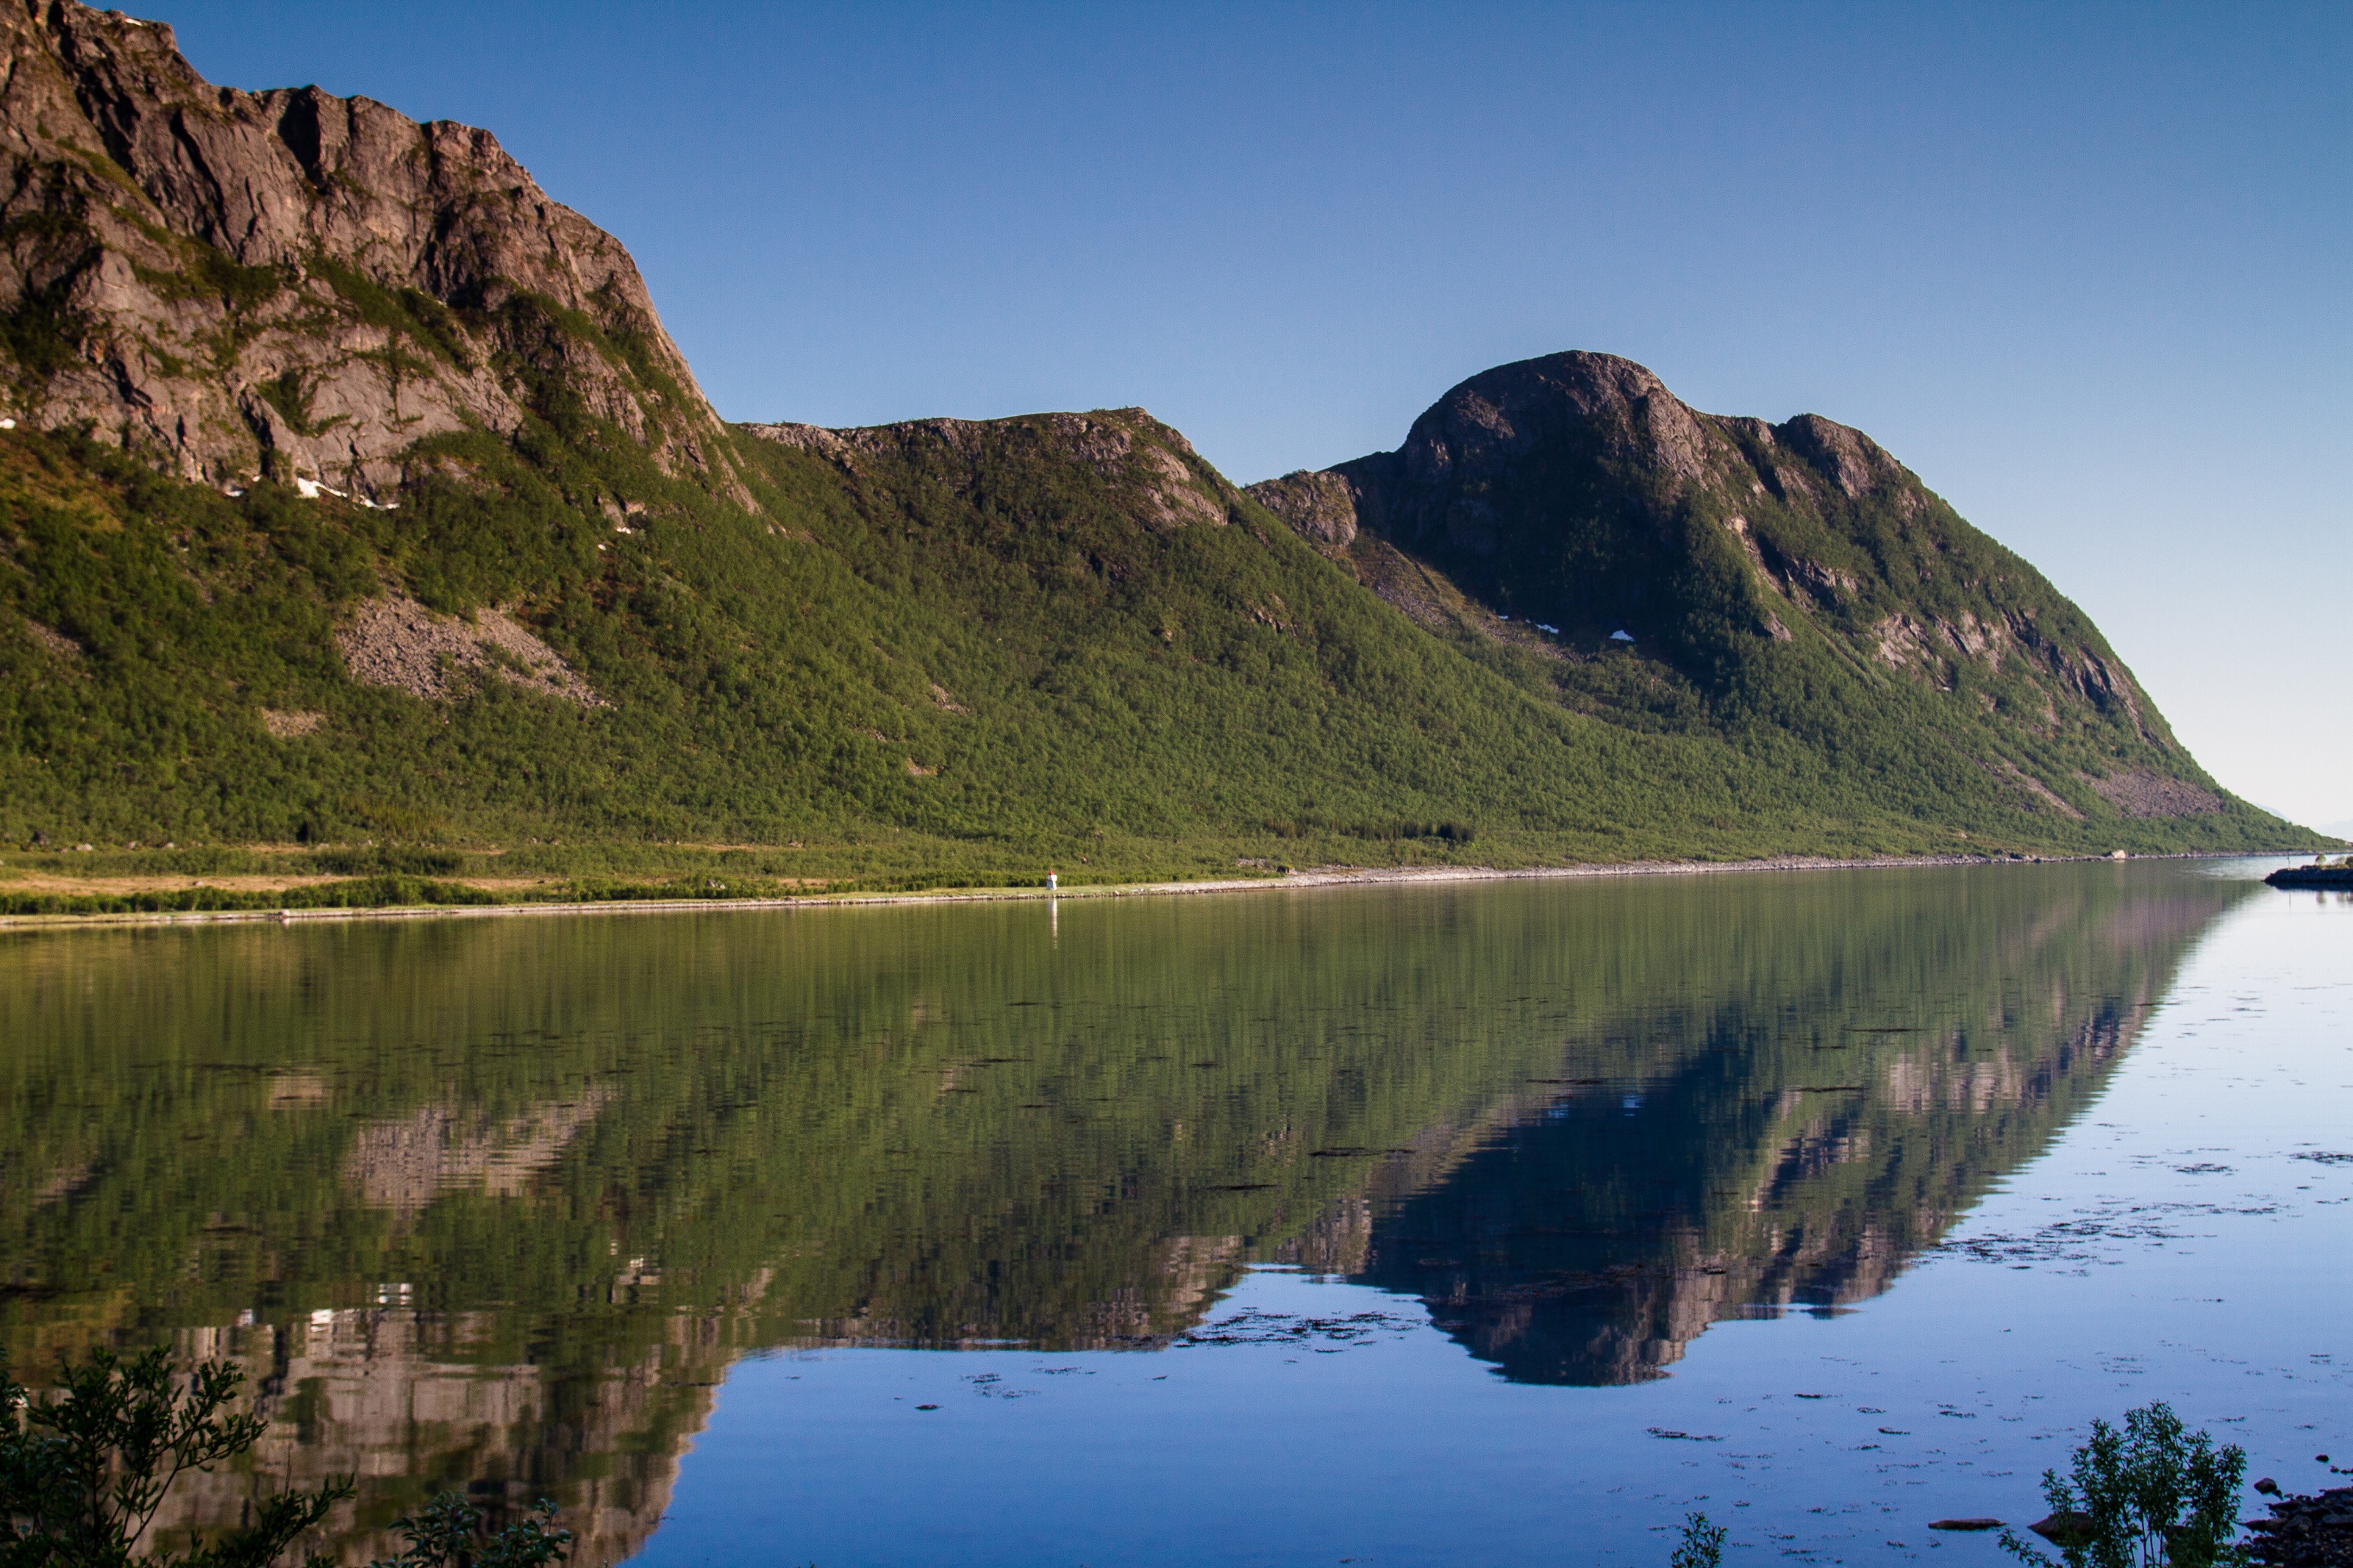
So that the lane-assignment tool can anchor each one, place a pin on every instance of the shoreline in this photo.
(1315, 877)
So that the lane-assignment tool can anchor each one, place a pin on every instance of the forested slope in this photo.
(355, 495)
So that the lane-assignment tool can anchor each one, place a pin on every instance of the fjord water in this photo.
(1453, 1224)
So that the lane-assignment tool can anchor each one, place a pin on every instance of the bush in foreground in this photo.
(2145, 1495)
(84, 1472)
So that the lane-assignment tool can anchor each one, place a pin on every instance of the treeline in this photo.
(1380, 831)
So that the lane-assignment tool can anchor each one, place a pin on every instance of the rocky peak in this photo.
(232, 282)
(1319, 506)
(1604, 409)
(1848, 456)
(1506, 412)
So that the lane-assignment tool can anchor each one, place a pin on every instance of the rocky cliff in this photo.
(1573, 506)
(290, 283)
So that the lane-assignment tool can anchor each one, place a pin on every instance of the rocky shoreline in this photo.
(2314, 1531)
(2313, 876)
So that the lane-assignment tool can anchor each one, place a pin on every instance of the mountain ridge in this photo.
(294, 283)
(1728, 542)
(356, 493)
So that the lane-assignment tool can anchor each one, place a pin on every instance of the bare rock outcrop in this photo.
(230, 283)
(398, 642)
(2142, 793)
(1319, 506)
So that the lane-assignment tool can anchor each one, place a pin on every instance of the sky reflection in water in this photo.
(1434, 1225)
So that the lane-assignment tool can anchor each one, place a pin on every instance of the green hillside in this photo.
(974, 667)
(375, 510)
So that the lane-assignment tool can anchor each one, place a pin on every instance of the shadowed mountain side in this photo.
(1790, 575)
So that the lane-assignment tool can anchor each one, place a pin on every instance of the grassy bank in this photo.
(274, 877)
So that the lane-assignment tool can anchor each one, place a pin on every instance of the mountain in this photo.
(1688, 570)
(290, 284)
(354, 493)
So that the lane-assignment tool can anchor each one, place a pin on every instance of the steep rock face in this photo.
(233, 283)
(1761, 566)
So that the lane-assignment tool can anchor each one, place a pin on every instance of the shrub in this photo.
(82, 1474)
(2126, 1501)
(1703, 1543)
(447, 1533)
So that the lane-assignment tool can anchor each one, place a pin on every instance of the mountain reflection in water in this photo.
(496, 1203)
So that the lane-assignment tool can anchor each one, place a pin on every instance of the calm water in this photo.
(1472, 1225)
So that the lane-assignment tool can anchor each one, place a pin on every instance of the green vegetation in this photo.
(83, 1473)
(927, 667)
(2145, 1497)
(1702, 1545)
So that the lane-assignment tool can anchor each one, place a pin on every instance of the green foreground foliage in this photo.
(1702, 1545)
(450, 1533)
(2145, 1496)
(84, 1474)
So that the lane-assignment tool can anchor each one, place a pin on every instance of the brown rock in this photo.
(2314, 1531)
(231, 283)
(1318, 506)
(2141, 793)
(398, 642)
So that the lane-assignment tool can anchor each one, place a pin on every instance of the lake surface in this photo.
(1475, 1224)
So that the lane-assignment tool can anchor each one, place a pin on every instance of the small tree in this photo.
(1703, 1544)
(447, 1533)
(2131, 1491)
(83, 1473)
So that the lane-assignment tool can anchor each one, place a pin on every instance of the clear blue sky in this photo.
(2085, 269)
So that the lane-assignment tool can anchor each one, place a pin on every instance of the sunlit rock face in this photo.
(230, 282)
